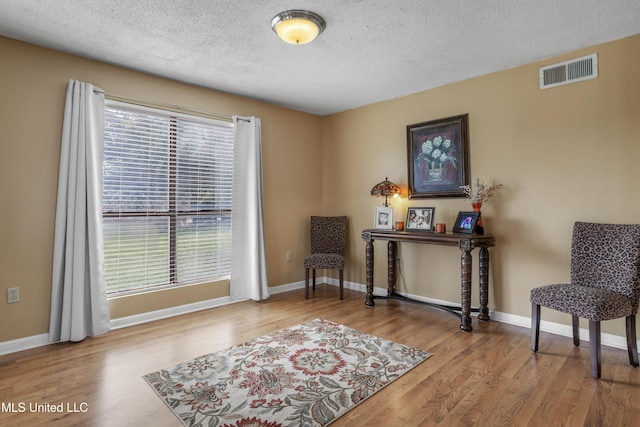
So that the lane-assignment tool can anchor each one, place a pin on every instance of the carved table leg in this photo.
(369, 274)
(391, 265)
(484, 284)
(465, 285)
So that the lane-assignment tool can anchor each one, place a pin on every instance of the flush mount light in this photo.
(297, 26)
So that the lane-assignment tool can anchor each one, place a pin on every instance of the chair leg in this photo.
(575, 322)
(306, 283)
(535, 326)
(341, 284)
(632, 344)
(594, 348)
(314, 279)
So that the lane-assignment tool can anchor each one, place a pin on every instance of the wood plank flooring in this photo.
(488, 377)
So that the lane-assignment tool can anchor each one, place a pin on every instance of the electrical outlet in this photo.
(13, 295)
(288, 256)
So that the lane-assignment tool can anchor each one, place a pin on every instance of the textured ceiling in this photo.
(372, 50)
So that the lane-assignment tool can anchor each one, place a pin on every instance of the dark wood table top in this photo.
(429, 237)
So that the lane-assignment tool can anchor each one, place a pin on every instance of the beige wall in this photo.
(563, 155)
(33, 83)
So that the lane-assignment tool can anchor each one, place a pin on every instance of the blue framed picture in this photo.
(467, 222)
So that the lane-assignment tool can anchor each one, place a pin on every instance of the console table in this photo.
(465, 242)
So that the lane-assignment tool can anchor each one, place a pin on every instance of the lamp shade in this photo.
(385, 188)
(297, 26)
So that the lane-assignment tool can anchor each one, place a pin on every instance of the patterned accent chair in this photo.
(605, 263)
(328, 241)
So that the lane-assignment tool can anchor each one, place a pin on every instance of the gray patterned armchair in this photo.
(328, 241)
(605, 263)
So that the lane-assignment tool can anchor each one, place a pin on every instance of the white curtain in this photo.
(248, 263)
(78, 297)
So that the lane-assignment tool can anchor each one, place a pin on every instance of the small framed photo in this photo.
(383, 217)
(420, 219)
(466, 222)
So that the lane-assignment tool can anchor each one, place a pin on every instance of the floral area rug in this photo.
(306, 375)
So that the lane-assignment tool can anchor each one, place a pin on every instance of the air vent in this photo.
(572, 71)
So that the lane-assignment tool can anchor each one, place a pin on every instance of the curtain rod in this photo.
(170, 107)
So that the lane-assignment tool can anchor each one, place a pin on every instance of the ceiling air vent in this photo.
(572, 71)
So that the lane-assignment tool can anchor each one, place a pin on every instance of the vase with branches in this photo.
(479, 192)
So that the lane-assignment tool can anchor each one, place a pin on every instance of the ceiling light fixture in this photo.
(297, 26)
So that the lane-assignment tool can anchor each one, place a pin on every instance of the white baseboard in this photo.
(289, 287)
(26, 343)
(150, 316)
(608, 340)
(122, 322)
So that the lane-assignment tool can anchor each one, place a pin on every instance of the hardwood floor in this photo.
(488, 377)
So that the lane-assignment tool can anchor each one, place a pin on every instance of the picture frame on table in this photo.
(383, 217)
(466, 222)
(438, 157)
(420, 219)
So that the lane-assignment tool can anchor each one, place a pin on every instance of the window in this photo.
(166, 201)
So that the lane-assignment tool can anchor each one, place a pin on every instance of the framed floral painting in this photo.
(438, 155)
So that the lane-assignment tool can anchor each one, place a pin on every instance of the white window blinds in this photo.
(167, 191)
